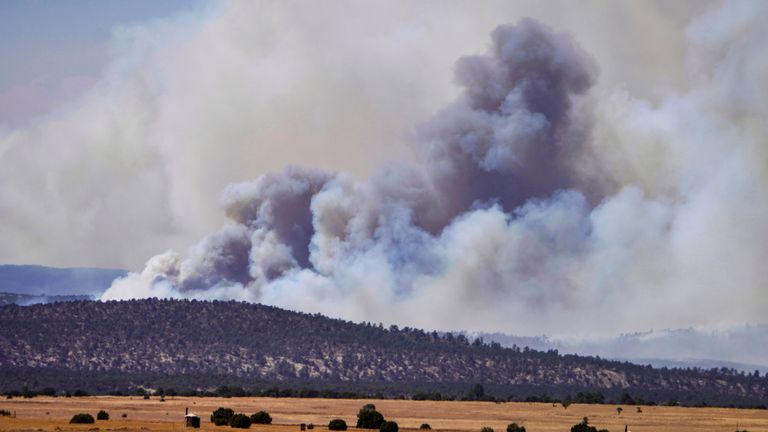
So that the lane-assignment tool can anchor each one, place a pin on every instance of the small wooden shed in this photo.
(191, 420)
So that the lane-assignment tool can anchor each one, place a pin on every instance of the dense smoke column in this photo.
(512, 135)
(279, 202)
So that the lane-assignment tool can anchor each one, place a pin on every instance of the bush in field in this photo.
(261, 417)
(486, 429)
(310, 426)
(102, 415)
(514, 427)
(222, 416)
(369, 418)
(82, 418)
(585, 427)
(389, 426)
(5, 413)
(241, 421)
(337, 425)
(425, 426)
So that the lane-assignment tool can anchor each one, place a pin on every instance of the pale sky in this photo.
(51, 51)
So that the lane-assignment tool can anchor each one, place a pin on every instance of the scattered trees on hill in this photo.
(198, 332)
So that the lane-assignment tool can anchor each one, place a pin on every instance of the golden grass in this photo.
(53, 414)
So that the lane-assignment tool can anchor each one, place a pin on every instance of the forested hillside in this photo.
(107, 346)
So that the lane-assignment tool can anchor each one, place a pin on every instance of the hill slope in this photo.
(130, 343)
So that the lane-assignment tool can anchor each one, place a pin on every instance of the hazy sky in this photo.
(52, 51)
(601, 159)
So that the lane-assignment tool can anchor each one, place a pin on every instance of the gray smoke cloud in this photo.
(513, 135)
(536, 203)
(510, 137)
(544, 196)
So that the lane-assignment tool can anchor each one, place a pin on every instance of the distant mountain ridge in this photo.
(742, 347)
(30, 299)
(700, 363)
(191, 344)
(51, 281)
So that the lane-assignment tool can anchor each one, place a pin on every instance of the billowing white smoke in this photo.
(535, 204)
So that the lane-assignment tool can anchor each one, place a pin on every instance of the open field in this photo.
(53, 414)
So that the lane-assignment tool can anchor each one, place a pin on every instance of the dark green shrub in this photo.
(369, 418)
(124, 415)
(337, 425)
(102, 415)
(389, 426)
(241, 421)
(310, 426)
(261, 417)
(514, 427)
(486, 429)
(585, 427)
(82, 418)
(222, 416)
(425, 426)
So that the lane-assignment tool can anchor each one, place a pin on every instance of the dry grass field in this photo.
(53, 414)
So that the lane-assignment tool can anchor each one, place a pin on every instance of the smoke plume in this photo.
(534, 204)
(599, 169)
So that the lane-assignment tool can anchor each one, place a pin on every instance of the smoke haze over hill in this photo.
(543, 195)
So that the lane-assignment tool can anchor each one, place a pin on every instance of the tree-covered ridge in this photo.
(252, 341)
